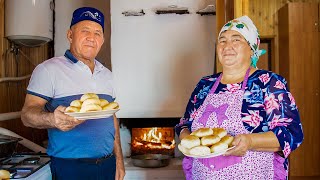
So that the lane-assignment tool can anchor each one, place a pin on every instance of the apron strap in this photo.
(244, 84)
(246, 77)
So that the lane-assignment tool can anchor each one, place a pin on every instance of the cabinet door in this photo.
(304, 85)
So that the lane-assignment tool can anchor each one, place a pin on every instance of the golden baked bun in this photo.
(202, 132)
(103, 102)
(190, 141)
(200, 151)
(227, 140)
(218, 147)
(4, 174)
(88, 95)
(110, 106)
(72, 109)
(76, 103)
(91, 101)
(209, 140)
(183, 149)
(90, 108)
(220, 132)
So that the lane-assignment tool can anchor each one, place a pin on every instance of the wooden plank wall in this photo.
(12, 94)
(264, 14)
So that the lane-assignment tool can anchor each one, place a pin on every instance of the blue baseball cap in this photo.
(87, 13)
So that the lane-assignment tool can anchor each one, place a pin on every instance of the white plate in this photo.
(211, 154)
(92, 115)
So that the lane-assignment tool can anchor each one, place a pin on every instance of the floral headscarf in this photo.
(249, 31)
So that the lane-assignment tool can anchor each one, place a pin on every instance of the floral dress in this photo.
(267, 106)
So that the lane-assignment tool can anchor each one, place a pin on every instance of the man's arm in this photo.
(120, 171)
(33, 115)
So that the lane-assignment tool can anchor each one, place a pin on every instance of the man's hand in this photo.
(62, 121)
(242, 143)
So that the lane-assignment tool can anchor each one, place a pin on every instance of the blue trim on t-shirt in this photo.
(70, 56)
(39, 95)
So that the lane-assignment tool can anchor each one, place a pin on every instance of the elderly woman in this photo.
(253, 105)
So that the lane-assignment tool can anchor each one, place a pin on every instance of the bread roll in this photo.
(200, 151)
(220, 132)
(90, 108)
(227, 140)
(72, 109)
(4, 174)
(103, 102)
(190, 141)
(76, 103)
(88, 95)
(209, 140)
(218, 147)
(202, 132)
(110, 106)
(91, 101)
(183, 149)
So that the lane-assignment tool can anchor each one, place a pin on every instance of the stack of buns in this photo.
(205, 141)
(90, 102)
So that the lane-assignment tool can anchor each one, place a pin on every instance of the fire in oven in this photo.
(154, 140)
(25, 166)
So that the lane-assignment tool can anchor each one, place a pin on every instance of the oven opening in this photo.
(150, 136)
(153, 140)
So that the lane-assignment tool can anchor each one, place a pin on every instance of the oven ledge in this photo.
(172, 171)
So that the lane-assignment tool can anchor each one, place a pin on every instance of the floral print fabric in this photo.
(267, 105)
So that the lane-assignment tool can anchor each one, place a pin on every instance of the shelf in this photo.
(209, 10)
(173, 9)
(207, 13)
(134, 13)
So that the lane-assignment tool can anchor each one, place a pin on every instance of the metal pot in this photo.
(151, 160)
(8, 145)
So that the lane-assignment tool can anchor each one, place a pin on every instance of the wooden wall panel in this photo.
(306, 159)
(264, 15)
(12, 94)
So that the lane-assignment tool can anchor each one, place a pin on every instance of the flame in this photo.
(153, 139)
(152, 136)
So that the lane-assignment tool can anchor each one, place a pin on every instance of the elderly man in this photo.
(79, 149)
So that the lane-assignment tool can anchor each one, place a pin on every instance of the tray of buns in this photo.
(90, 106)
(206, 143)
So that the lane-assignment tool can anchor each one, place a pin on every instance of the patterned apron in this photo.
(224, 110)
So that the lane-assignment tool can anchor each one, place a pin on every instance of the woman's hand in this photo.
(242, 143)
(185, 132)
(266, 142)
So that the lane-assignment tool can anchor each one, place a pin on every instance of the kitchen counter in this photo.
(172, 171)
